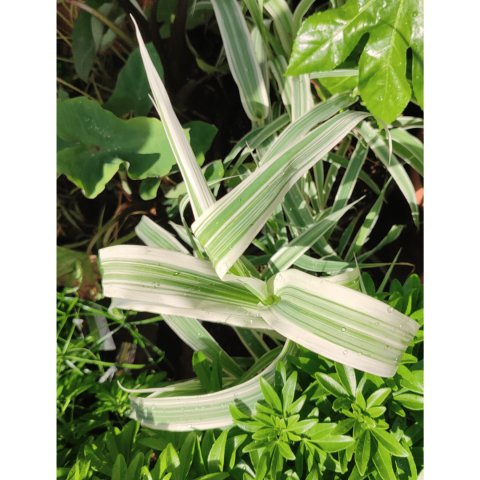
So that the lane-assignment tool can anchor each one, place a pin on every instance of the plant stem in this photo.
(73, 87)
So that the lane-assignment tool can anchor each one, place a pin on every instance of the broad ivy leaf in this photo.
(131, 90)
(326, 38)
(76, 269)
(383, 84)
(83, 45)
(417, 53)
(339, 84)
(99, 142)
(149, 188)
(201, 137)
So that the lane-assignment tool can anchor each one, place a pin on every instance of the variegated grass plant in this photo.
(216, 282)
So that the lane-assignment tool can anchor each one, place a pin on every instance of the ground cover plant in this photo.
(285, 239)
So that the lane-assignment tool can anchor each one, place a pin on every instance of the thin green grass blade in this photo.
(297, 210)
(387, 276)
(184, 387)
(364, 177)
(287, 255)
(369, 223)
(197, 337)
(260, 50)
(272, 43)
(302, 100)
(395, 169)
(345, 238)
(252, 341)
(330, 178)
(320, 265)
(254, 140)
(241, 59)
(284, 85)
(261, 364)
(228, 227)
(394, 232)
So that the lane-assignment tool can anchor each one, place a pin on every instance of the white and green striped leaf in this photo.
(227, 228)
(301, 126)
(322, 315)
(349, 178)
(339, 323)
(408, 148)
(154, 235)
(320, 265)
(282, 22)
(190, 330)
(255, 139)
(172, 283)
(202, 412)
(241, 59)
(299, 12)
(197, 188)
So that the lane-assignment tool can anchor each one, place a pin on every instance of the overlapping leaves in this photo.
(326, 39)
